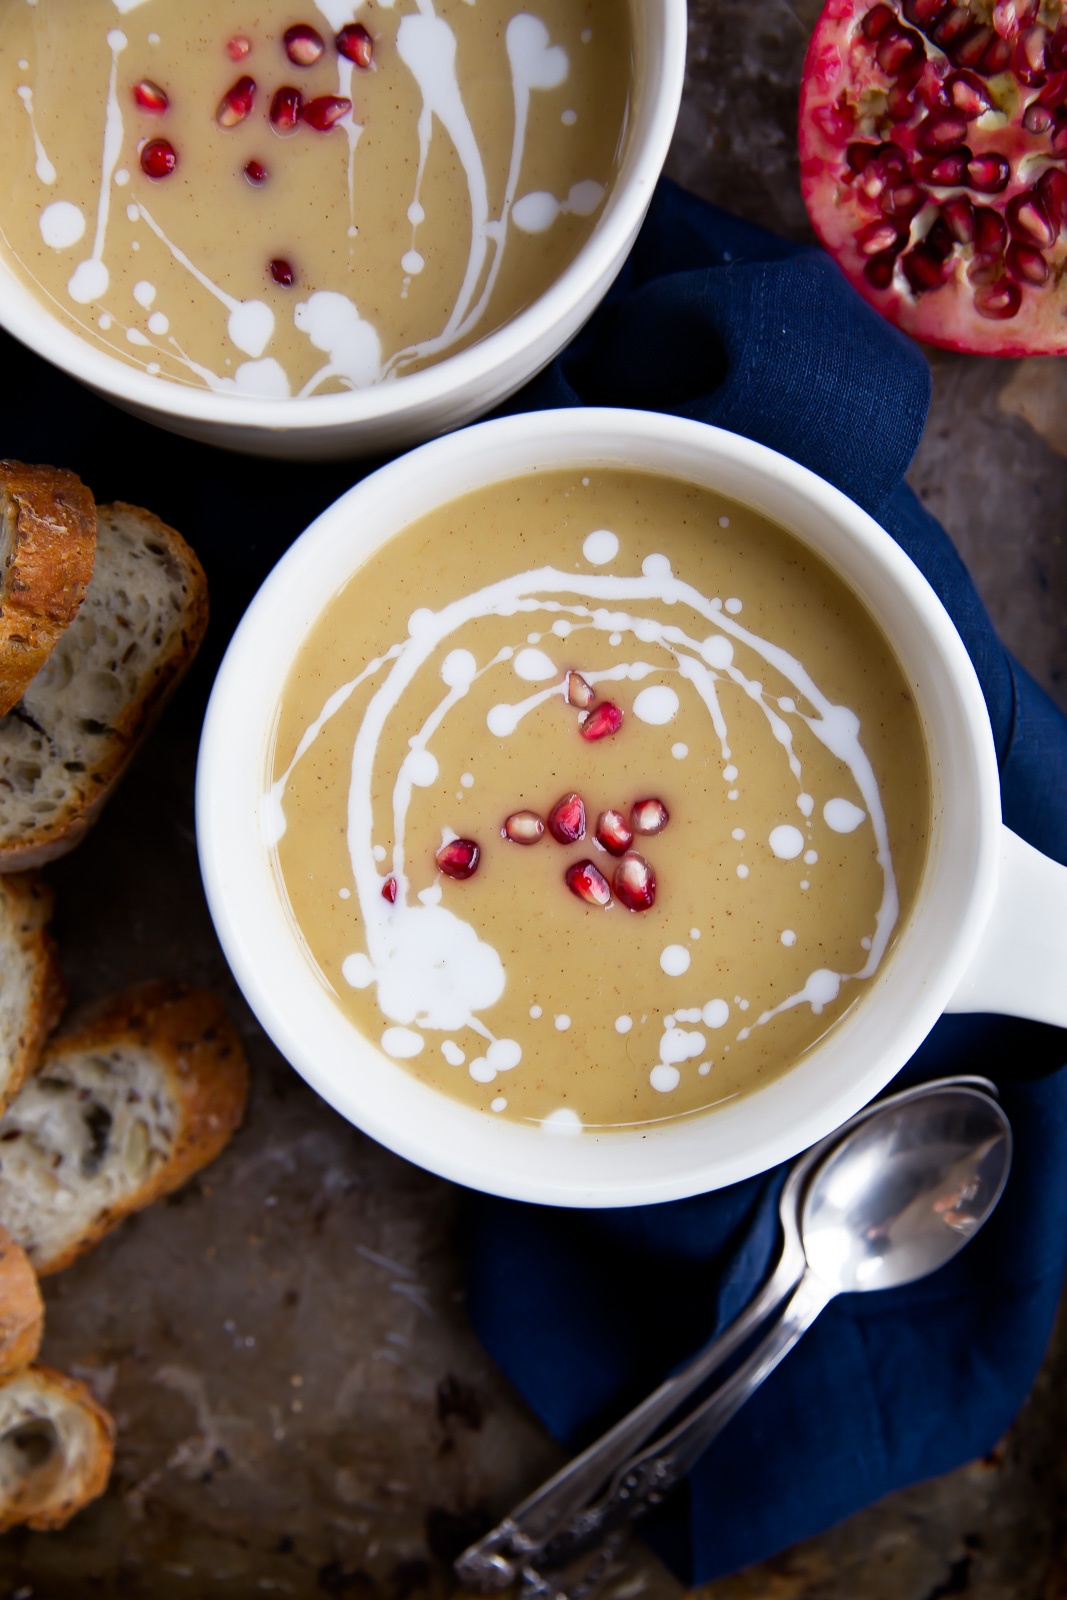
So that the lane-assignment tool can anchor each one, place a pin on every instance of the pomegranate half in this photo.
(933, 145)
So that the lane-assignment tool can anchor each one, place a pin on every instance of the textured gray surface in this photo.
(302, 1408)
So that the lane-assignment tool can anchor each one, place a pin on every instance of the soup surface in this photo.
(215, 191)
(470, 677)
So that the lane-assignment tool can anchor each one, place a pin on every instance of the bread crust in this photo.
(135, 721)
(21, 1308)
(29, 904)
(75, 1489)
(188, 1031)
(50, 529)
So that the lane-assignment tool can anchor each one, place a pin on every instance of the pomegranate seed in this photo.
(1028, 264)
(998, 301)
(939, 242)
(1052, 187)
(303, 45)
(256, 172)
(879, 271)
(149, 96)
(238, 47)
(992, 232)
(898, 51)
(922, 270)
(578, 691)
(524, 827)
(282, 272)
(904, 201)
(158, 158)
(1011, 15)
(877, 20)
(901, 102)
(355, 44)
(1030, 55)
(958, 215)
(459, 858)
(968, 94)
(1057, 49)
(995, 57)
(878, 237)
(236, 103)
(566, 820)
(924, 12)
(649, 816)
(859, 155)
(389, 890)
(988, 173)
(968, 50)
(1059, 136)
(940, 131)
(587, 881)
(613, 832)
(948, 171)
(601, 722)
(953, 24)
(1028, 221)
(285, 109)
(326, 109)
(635, 882)
(1037, 119)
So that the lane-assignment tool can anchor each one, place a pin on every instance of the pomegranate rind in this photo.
(842, 102)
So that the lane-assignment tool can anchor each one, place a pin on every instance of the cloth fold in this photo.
(714, 319)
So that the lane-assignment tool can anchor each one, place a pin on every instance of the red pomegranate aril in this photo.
(879, 271)
(939, 242)
(958, 216)
(922, 270)
(1011, 15)
(878, 19)
(898, 51)
(1059, 136)
(566, 820)
(901, 103)
(285, 108)
(1030, 55)
(613, 832)
(355, 44)
(924, 12)
(969, 50)
(904, 201)
(634, 882)
(940, 131)
(966, 92)
(860, 155)
(158, 158)
(389, 890)
(1052, 187)
(238, 47)
(1027, 264)
(992, 234)
(326, 109)
(649, 816)
(236, 103)
(878, 237)
(601, 722)
(1038, 119)
(256, 172)
(950, 170)
(1028, 221)
(303, 44)
(150, 97)
(989, 173)
(281, 271)
(579, 693)
(996, 57)
(585, 879)
(952, 25)
(998, 300)
(524, 827)
(459, 858)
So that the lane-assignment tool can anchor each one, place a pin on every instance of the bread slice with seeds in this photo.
(69, 739)
(47, 540)
(21, 1308)
(32, 991)
(124, 1108)
(56, 1448)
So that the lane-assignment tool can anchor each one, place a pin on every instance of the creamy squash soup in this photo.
(264, 199)
(596, 799)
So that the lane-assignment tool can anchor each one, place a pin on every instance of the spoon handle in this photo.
(643, 1481)
(487, 1565)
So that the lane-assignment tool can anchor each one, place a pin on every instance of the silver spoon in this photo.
(889, 1198)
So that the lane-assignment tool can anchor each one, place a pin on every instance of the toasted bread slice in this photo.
(31, 985)
(72, 735)
(47, 541)
(21, 1308)
(56, 1448)
(123, 1109)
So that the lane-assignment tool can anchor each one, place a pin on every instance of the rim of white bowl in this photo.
(684, 1156)
(600, 258)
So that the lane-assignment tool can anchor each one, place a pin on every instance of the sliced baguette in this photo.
(56, 1448)
(31, 985)
(47, 540)
(21, 1308)
(123, 1109)
(71, 736)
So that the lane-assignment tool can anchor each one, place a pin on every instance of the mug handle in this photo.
(1020, 966)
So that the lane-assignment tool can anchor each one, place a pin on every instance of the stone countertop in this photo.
(302, 1408)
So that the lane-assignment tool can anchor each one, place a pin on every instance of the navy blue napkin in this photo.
(717, 320)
